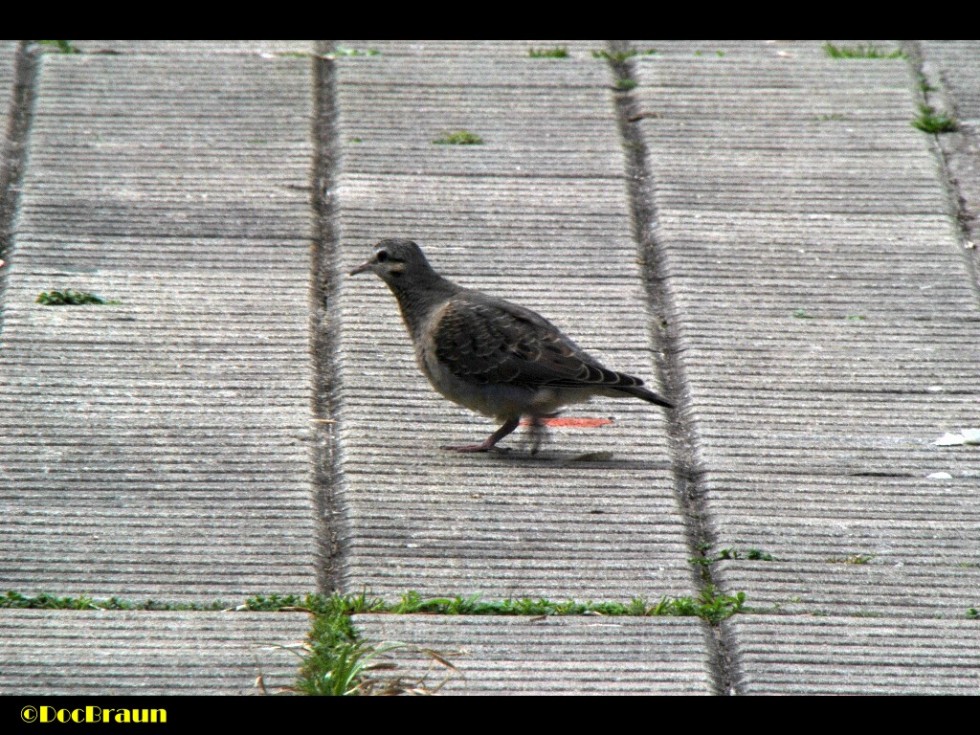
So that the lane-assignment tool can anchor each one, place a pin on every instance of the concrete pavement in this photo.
(754, 227)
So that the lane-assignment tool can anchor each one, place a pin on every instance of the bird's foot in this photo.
(490, 442)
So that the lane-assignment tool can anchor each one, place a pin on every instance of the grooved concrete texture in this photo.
(826, 317)
(952, 69)
(57, 652)
(956, 64)
(8, 63)
(195, 48)
(519, 655)
(829, 334)
(473, 50)
(159, 447)
(841, 655)
(537, 214)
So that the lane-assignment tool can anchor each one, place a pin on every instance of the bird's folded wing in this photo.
(490, 341)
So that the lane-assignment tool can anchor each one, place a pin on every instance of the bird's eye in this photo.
(382, 256)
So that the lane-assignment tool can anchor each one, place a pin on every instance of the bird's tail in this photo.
(647, 395)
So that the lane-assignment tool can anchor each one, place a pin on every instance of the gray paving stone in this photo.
(824, 314)
(828, 329)
(10, 145)
(475, 50)
(537, 214)
(841, 655)
(424, 100)
(759, 52)
(557, 655)
(956, 63)
(159, 447)
(951, 68)
(61, 652)
(180, 48)
(849, 581)
(8, 64)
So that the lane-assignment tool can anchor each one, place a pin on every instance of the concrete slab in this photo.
(856, 584)
(951, 69)
(67, 652)
(537, 214)
(160, 447)
(758, 51)
(828, 328)
(558, 655)
(473, 50)
(8, 65)
(955, 64)
(182, 48)
(392, 111)
(843, 655)
(824, 315)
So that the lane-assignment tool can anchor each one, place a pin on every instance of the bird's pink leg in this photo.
(508, 427)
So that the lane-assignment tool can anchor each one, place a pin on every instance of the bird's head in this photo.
(395, 261)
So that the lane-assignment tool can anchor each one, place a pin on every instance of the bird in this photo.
(494, 357)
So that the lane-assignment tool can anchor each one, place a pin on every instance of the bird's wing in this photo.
(491, 341)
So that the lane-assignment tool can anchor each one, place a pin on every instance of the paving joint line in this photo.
(686, 464)
(15, 154)
(323, 326)
(946, 154)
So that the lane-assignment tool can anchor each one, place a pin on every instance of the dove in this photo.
(492, 356)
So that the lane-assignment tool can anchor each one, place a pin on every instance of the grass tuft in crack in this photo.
(731, 554)
(930, 121)
(559, 52)
(708, 606)
(345, 51)
(65, 47)
(711, 605)
(15, 600)
(71, 297)
(459, 137)
(861, 52)
(336, 661)
(751, 555)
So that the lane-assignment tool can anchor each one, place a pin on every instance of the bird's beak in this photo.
(365, 266)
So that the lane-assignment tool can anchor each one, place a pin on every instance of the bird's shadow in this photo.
(597, 460)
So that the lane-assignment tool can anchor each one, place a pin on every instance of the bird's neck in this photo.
(419, 298)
